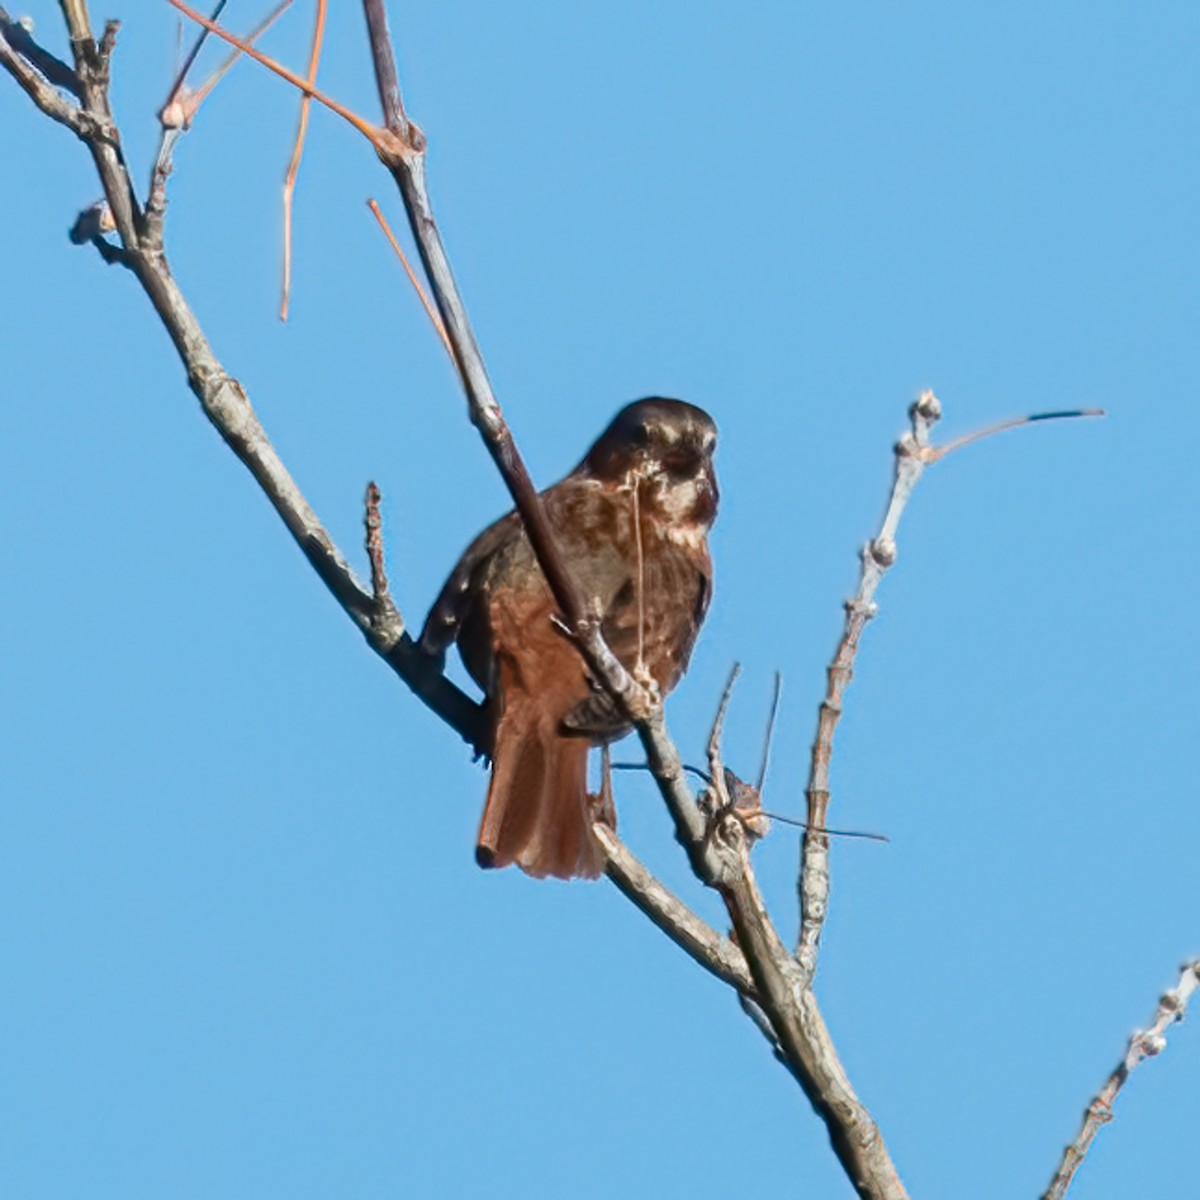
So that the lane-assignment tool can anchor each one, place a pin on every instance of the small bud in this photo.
(927, 406)
(1152, 1044)
(883, 551)
(173, 115)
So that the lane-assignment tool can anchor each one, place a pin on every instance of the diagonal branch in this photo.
(224, 401)
(694, 936)
(1146, 1043)
(49, 65)
(30, 66)
(914, 452)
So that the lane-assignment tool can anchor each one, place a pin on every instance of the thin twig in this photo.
(196, 98)
(1011, 423)
(177, 85)
(776, 692)
(364, 127)
(289, 182)
(1146, 1043)
(387, 617)
(715, 765)
(426, 303)
(180, 109)
(758, 810)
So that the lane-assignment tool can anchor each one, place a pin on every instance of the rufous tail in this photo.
(538, 812)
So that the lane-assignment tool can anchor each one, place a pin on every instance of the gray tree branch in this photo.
(1146, 1043)
(222, 398)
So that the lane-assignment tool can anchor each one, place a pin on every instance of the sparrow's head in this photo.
(666, 446)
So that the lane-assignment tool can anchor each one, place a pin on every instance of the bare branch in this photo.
(178, 112)
(386, 79)
(388, 622)
(27, 63)
(226, 405)
(1146, 1043)
(696, 938)
(91, 66)
(877, 556)
(289, 183)
(914, 453)
(49, 65)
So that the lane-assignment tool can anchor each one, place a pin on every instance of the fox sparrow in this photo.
(631, 522)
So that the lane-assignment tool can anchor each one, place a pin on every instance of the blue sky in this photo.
(246, 951)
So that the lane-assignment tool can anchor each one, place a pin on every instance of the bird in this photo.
(632, 522)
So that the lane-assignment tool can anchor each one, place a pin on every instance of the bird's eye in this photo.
(640, 435)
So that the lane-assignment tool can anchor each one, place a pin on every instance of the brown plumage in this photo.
(632, 522)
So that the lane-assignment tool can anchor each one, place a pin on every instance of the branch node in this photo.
(926, 409)
(105, 48)
(882, 551)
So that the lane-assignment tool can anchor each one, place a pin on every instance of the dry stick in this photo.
(180, 109)
(181, 75)
(914, 453)
(289, 183)
(196, 98)
(426, 303)
(372, 132)
(387, 616)
(1143, 1045)
(768, 735)
(222, 398)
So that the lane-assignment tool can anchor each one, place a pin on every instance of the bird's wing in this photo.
(450, 609)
